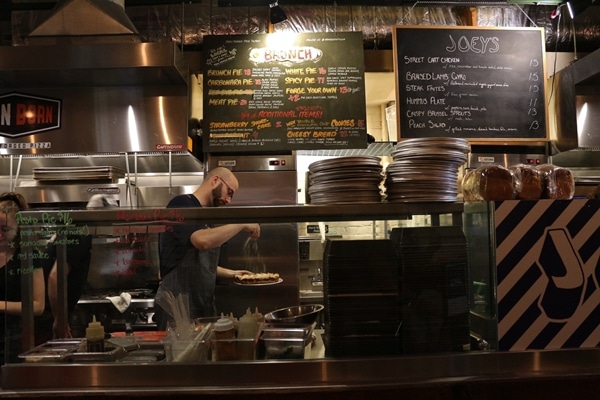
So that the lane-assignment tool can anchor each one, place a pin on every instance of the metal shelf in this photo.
(270, 214)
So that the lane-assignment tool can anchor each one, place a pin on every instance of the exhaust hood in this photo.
(76, 21)
(577, 97)
(110, 93)
(89, 43)
(99, 64)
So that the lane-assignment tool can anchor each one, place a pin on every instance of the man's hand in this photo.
(254, 230)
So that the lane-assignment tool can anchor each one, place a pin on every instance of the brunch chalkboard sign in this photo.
(470, 83)
(271, 92)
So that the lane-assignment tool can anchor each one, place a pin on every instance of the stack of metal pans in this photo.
(360, 288)
(425, 169)
(78, 173)
(345, 180)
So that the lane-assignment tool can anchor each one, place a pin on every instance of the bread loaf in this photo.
(528, 181)
(559, 182)
(488, 183)
(468, 186)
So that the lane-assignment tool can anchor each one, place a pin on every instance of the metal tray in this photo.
(52, 351)
(110, 353)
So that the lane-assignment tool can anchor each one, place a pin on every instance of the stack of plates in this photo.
(345, 180)
(425, 169)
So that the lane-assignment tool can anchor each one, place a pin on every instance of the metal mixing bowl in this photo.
(304, 314)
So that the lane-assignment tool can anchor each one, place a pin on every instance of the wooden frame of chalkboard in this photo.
(484, 84)
(282, 92)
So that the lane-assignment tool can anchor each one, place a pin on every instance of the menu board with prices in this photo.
(281, 92)
(470, 82)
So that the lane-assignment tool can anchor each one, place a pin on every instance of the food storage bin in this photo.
(239, 349)
(51, 351)
(285, 341)
(187, 350)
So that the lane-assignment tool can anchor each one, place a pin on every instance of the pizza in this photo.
(262, 277)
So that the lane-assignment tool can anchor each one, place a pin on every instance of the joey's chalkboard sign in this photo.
(271, 93)
(472, 83)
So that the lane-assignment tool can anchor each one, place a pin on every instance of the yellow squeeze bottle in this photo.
(94, 335)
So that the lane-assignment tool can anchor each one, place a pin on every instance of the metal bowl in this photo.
(304, 314)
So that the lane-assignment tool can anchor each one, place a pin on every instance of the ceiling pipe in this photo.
(209, 17)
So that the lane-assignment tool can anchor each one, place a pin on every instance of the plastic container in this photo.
(94, 335)
(247, 333)
(248, 326)
(186, 350)
(224, 343)
(192, 346)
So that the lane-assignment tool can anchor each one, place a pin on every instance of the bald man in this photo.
(189, 254)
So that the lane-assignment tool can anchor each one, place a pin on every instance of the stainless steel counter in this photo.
(274, 377)
(457, 375)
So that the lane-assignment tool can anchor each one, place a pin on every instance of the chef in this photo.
(189, 253)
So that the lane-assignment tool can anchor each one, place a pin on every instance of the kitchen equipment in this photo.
(108, 91)
(285, 341)
(51, 351)
(506, 155)
(578, 104)
(74, 351)
(108, 172)
(265, 180)
(120, 263)
(305, 314)
(139, 316)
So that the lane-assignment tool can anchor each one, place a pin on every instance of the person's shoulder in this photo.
(183, 200)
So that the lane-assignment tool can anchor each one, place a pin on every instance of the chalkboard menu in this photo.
(270, 92)
(471, 83)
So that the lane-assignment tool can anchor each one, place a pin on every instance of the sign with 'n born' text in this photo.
(22, 114)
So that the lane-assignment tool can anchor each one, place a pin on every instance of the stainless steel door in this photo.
(278, 248)
(262, 184)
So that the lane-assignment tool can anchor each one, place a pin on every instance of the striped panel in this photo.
(548, 290)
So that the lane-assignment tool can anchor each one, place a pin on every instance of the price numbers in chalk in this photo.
(534, 89)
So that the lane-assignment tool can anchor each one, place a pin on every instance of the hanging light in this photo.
(276, 14)
(576, 7)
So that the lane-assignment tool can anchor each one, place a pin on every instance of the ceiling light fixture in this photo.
(576, 7)
(276, 14)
